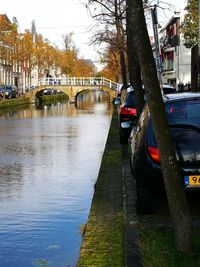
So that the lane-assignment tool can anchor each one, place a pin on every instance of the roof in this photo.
(4, 18)
(170, 22)
(89, 61)
(167, 85)
(4, 22)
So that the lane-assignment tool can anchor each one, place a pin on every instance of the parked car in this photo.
(127, 115)
(168, 89)
(1, 92)
(49, 91)
(52, 91)
(183, 113)
(59, 92)
(10, 91)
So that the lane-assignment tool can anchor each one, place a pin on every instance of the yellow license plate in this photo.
(194, 180)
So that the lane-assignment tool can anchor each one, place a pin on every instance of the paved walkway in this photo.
(132, 256)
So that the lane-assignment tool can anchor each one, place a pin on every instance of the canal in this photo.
(50, 158)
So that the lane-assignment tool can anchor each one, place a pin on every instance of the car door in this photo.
(137, 138)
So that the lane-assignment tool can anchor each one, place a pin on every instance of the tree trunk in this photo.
(123, 67)
(120, 44)
(178, 205)
(133, 65)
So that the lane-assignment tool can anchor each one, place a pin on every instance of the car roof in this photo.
(180, 96)
(168, 85)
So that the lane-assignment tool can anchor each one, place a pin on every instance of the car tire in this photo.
(143, 205)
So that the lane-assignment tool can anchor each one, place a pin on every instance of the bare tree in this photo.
(68, 41)
(111, 15)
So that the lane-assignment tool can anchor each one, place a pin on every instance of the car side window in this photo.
(142, 119)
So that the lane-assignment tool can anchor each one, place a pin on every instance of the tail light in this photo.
(128, 110)
(153, 153)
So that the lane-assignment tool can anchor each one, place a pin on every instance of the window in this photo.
(184, 112)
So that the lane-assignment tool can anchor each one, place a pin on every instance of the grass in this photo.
(158, 249)
(112, 156)
(104, 244)
(103, 241)
(53, 98)
(14, 102)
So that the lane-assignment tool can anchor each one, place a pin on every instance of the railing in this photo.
(75, 81)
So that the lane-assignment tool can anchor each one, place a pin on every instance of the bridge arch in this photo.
(73, 86)
(92, 90)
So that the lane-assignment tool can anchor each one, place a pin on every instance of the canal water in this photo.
(49, 162)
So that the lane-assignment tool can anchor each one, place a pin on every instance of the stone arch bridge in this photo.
(72, 86)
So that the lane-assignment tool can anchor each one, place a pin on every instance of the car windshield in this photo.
(130, 99)
(184, 112)
(8, 88)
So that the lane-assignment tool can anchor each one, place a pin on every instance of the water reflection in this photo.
(50, 157)
(86, 101)
(12, 111)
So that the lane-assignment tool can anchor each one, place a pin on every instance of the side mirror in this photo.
(116, 101)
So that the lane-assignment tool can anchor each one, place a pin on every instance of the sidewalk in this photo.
(132, 255)
(110, 235)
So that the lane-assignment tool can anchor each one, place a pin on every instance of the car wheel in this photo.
(122, 138)
(143, 205)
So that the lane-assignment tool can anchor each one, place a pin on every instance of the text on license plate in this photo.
(192, 180)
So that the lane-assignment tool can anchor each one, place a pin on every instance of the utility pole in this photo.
(156, 41)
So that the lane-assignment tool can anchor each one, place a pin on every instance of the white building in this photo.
(175, 57)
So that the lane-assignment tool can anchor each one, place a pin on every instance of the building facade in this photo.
(5, 53)
(14, 70)
(175, 57)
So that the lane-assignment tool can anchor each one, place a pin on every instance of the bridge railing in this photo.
(75, 81)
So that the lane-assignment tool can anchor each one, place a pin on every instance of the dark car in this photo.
(168, 89)
(127, 116)
(183, 113)
(49, 91)
(9, 91)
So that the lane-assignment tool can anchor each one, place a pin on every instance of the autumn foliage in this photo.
(190, 24)
(23, 50)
